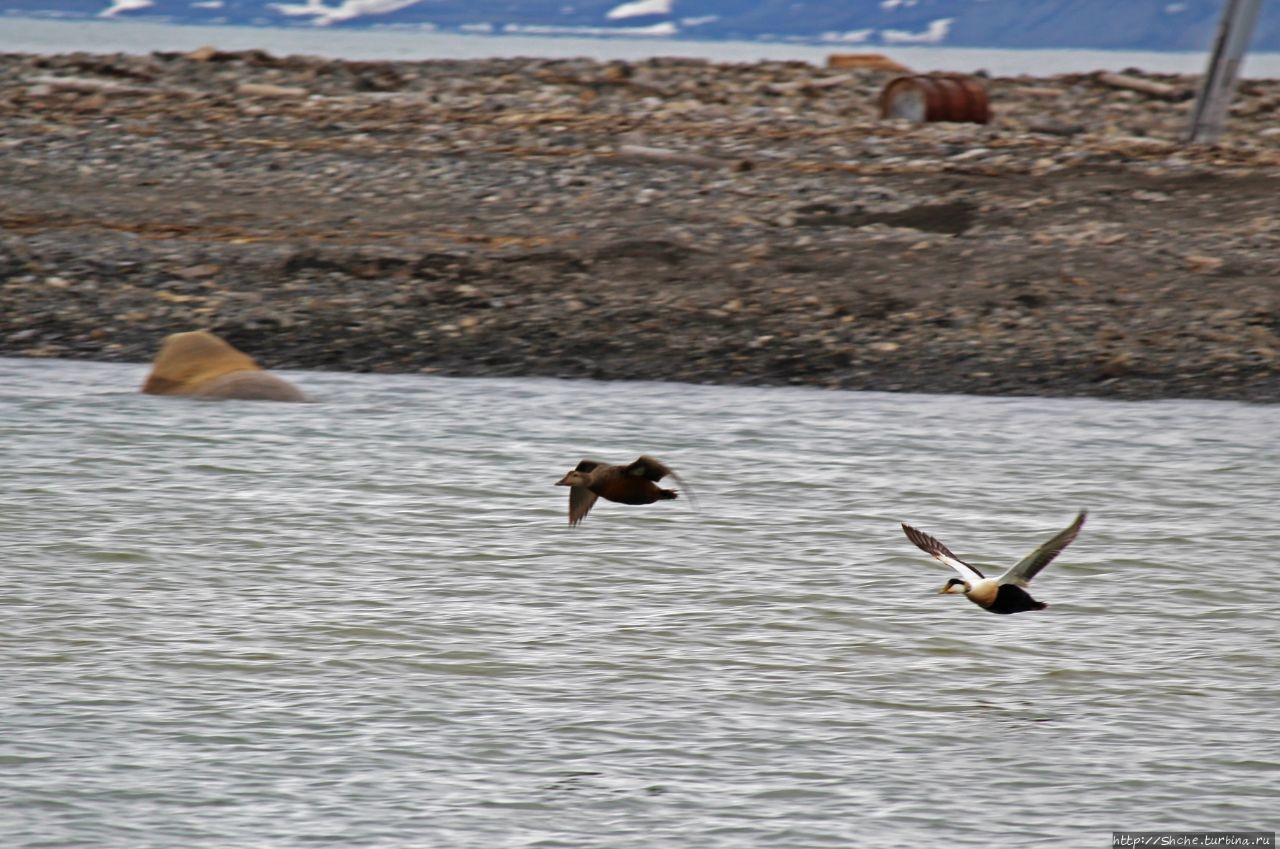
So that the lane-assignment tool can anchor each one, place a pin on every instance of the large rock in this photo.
(201, 365)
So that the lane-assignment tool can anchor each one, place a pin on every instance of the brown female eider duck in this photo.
(632, 484)
(1008, 593)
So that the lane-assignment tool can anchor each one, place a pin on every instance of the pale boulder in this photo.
(201, 365)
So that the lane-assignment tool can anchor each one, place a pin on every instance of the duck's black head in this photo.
(949, 586)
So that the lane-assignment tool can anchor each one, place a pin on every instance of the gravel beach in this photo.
(660, 220)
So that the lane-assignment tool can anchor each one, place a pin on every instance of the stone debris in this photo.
(270, 90)
(667, 219)
(865, 62)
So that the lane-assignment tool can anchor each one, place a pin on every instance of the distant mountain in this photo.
(1095, 24)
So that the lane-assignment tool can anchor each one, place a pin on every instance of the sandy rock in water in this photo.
(201, 365)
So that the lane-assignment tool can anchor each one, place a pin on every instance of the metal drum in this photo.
(935, 97)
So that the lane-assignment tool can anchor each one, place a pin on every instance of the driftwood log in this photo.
(1152, 88)
(666, 156)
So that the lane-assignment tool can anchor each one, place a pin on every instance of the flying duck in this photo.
(1007, 593)
(632, 484)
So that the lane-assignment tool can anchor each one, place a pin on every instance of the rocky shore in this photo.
(661, 220)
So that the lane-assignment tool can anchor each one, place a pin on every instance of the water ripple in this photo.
(365, 622)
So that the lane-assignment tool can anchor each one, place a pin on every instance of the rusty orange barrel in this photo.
(935, 97)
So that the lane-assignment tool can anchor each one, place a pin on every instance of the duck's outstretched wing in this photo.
(581, 500)
(655, 470)
(1028, 567)
(647, 467)
(941, 553)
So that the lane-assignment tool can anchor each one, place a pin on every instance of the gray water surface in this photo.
(364, 622)
(45, 36)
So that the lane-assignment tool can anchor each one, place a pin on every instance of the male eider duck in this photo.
(632, 484)
(1008, 593)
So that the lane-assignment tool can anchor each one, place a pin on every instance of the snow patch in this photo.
(118, 6)
(345, 11)
(639, 7)
(853, 36)
(935, 33)
(666, 29)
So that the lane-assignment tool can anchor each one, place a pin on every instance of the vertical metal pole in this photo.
(1217, 87)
